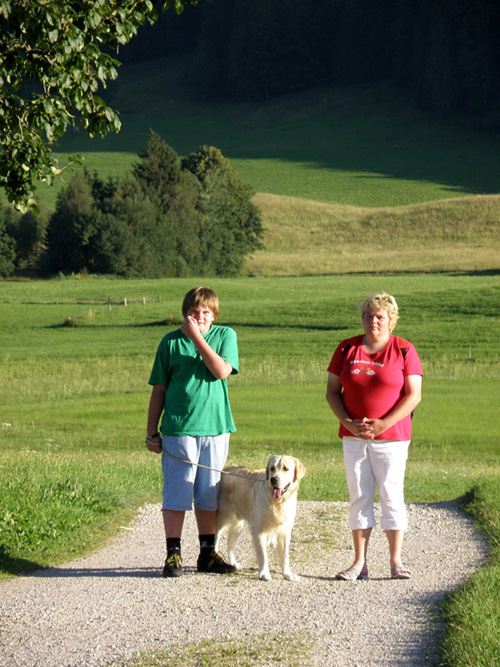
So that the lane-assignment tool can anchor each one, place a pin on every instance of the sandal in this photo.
(400, 572)
(351, 574)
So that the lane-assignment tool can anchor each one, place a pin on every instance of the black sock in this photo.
(207, 544)
(173, 545)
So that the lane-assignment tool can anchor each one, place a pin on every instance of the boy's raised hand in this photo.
(190, 327)
(193, 330)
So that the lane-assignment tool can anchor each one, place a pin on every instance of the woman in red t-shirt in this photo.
(374, 384)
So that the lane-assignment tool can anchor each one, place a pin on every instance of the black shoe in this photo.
(173, 565)
(215, 563)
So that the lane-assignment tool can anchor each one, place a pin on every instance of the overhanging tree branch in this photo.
(52, 61)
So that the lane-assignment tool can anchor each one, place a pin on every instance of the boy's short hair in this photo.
(382, 301)
(199, 296)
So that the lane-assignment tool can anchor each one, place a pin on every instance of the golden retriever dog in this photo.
(266, 500)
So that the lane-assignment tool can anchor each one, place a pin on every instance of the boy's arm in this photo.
(219, 367)
(156, 403)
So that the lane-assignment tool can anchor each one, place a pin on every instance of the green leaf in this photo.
(5, 8)
(94, 19)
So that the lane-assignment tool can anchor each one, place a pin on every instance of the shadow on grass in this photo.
(166, 323)
(374, 143)
(12, 565)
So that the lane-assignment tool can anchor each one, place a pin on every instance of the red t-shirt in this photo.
(372, 384)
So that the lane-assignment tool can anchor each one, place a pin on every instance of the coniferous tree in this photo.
(29, 233)
(446, 54)
(176, 192)
(159, 169)
(72, 228)
(132, 239)
(231, 227)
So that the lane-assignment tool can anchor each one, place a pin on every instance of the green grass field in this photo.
(358, 193)
(74, 399)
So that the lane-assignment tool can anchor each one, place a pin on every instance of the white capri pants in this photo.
(381, 462)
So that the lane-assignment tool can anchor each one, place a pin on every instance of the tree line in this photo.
(445, 53)
(171, 217)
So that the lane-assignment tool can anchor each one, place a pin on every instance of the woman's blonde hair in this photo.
(382, 301)
(201, 296)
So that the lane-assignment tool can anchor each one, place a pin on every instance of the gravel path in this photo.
(115, 603)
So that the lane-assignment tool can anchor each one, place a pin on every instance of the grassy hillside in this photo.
(357, 145)
(313, 238)
(350, 179)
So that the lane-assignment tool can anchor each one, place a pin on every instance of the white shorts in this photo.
(380, 462)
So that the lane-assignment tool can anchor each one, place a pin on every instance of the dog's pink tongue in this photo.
(276, 494)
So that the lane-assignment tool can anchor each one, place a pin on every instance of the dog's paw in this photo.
(265, 576)
(289, 576)
(231, 558)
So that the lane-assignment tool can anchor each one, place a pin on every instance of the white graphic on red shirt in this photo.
(366, 367)
(366, 371)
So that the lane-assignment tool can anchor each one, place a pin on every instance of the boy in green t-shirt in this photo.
(189, 379)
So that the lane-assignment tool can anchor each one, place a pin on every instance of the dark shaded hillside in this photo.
(445, 54)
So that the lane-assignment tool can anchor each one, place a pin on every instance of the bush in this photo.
(7, 251)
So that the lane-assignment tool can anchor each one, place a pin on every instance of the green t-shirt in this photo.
(196, 403)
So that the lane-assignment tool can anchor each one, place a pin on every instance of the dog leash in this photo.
(199, 465)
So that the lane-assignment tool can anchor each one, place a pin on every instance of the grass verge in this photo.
(472, 613)
(255, 651)
(55, 507)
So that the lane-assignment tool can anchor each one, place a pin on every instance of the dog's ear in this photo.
(300, 470)
(267, 469)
